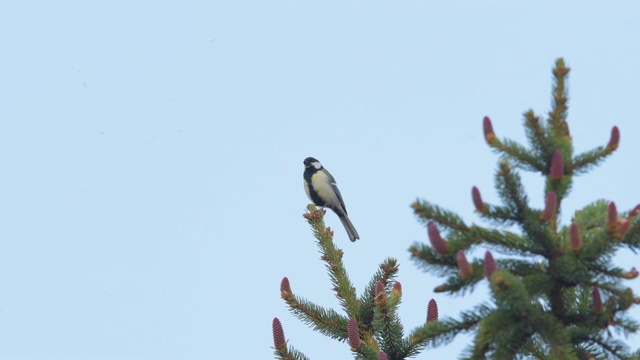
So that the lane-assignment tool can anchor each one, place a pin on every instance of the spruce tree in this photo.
(555, 290)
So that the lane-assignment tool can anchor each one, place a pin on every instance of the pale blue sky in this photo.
(152, 198)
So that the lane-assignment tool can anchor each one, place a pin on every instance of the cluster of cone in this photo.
(618, 226)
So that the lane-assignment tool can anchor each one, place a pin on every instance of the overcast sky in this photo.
(151, 156)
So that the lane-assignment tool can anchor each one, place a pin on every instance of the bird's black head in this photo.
(308, 162)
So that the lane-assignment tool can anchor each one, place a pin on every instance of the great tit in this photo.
(321, 188)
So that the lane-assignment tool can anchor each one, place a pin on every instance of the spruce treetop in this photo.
(555, 289)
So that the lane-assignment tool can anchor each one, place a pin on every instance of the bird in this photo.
(321, 188)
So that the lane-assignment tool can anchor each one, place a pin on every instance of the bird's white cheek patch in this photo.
(316, 165)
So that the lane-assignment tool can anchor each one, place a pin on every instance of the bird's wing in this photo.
(335, 189)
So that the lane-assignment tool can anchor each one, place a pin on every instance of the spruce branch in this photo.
(510, 294)
(443, 331)
(386, 320)
(610, 348)
(282, 350)
(584, 162)
(556, 334)
(507, 242)
(332, 256)
(386, 274)
(521, 156)
(536, 134)
(499, 215)
(429, 260)
(511, 191)
(558, 114)
(459, 285)
(326, 321)
(632, 237)
(371, 327)
(427, 212)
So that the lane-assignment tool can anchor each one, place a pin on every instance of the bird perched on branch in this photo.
(321, 188)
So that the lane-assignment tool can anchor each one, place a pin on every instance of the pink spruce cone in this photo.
(353, 333)
(612, 216)
(557, 165)
(550, 206)
(382, 356)
(477, 199)
(432, 311)
(284, 285)
(576, 239)
(615, 139)
(279, 341)
(489, 265)
(597, 306)
(438, 243)
(487, 128)
(465, 268)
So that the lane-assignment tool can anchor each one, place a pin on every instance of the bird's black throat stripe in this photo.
(308, 173)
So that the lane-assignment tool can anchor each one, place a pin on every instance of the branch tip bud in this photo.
(632, 274)
(397, 288)
(442, 288)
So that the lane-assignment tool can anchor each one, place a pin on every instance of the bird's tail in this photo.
(351, 230)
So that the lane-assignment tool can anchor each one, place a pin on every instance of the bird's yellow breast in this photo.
(322, 185)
